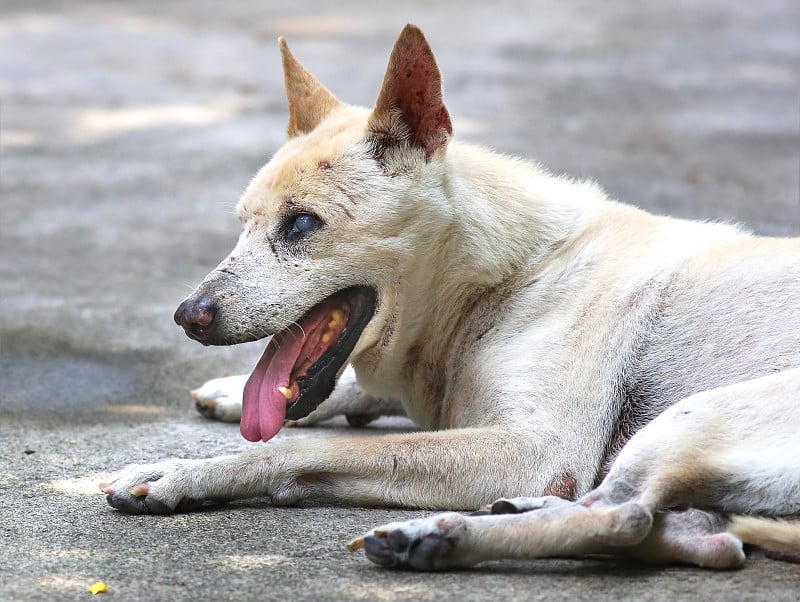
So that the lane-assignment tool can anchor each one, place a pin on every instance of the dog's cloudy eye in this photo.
(302, 224)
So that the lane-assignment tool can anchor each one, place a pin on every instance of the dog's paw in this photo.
(427, 544)
(221, 398)
(159, 488)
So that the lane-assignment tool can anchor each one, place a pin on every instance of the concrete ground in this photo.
(128, 131)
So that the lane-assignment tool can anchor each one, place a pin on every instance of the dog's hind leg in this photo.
(690, 536)
(733, 449)
(730, 449)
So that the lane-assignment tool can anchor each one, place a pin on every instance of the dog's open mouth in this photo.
(298, 369)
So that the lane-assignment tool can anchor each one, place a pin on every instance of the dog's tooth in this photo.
(337, 318)
(327, 336)
(286, 392)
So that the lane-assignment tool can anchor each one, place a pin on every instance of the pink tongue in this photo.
(263, 406)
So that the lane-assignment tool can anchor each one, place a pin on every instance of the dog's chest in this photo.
(424, 390)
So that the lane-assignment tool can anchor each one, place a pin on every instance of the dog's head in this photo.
(330, 226)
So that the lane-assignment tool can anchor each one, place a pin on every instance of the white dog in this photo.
(528, 324)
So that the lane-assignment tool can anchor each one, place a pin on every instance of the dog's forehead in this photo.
(301, 163)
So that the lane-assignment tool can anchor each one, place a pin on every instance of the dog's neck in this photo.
(469, 243)
(491, 195)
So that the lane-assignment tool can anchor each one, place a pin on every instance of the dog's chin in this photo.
(301, 363)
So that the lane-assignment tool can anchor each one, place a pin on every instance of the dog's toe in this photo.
(126, 502)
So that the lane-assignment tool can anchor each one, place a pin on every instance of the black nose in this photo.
(196, 316)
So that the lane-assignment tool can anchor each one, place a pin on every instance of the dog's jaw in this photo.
(300, 365)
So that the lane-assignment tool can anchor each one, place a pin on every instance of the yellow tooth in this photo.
(286, 392)
(326, 338)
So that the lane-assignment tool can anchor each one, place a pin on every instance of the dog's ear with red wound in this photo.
(410, 108)
(309, 101)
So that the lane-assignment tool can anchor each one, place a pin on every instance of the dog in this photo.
(638, 375)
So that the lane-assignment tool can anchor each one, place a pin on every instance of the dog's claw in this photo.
(140, 490)
(354, 545)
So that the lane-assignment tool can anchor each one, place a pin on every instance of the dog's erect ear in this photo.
(410, 107)
(309, 101)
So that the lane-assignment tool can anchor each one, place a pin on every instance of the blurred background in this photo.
(129, 129)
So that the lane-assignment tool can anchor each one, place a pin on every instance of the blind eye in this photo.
(302, 224)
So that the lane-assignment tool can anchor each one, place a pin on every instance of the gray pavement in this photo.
(128, 131)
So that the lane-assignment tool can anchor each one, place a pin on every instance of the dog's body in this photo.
(528, 324)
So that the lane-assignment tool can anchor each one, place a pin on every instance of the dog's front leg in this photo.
(462, 468)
